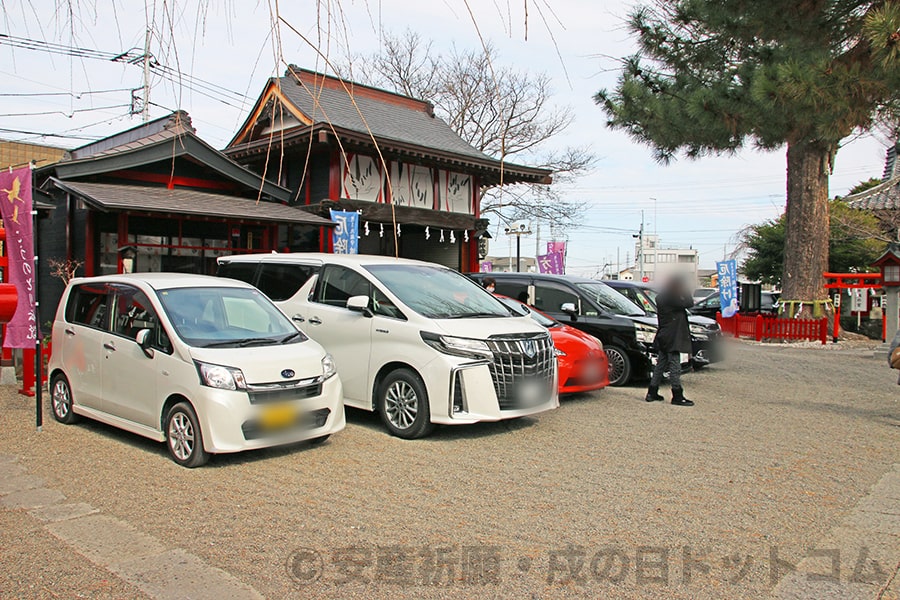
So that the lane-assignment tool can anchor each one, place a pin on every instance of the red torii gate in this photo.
(850, 281)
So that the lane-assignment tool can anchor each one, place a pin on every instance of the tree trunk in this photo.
(806, 227)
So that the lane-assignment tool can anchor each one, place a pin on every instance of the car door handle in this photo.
(315, 321)
(69, 331)
(110, 346)
(298, 318)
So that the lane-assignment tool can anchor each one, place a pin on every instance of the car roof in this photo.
(543, 276)
(323, 257)
(622, 283)
(161, 281)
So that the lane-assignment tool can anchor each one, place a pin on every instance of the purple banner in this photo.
(551, 263)
(15, 207)
(486, 266)
(556, 247)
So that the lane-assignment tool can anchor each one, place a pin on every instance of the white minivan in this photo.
(417, 342)
(205, 364)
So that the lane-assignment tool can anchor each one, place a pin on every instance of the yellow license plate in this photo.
(277, 416)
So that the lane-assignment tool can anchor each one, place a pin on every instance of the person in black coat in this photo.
(672, 339)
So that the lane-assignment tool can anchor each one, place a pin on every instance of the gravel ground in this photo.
(606, 497)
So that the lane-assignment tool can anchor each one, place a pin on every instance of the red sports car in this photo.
(583, 366)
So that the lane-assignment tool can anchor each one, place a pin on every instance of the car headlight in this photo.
(328, 368)
(457, 346)
(645, 333)
(700, 332)
(219, 377)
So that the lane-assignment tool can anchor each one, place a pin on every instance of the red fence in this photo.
(760, 327)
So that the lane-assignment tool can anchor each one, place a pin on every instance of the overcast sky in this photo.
(701, 204)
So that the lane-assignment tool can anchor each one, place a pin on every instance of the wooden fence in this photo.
(761, 328)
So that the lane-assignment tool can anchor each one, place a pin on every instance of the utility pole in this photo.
(640, 252)
(618, 264)
(145, 112)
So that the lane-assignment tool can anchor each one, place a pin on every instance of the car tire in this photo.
(619, 365)
(184, 440)
(403, 405)
(61, 400)
(319, 440)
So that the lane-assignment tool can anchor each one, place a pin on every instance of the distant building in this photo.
(654, 262)
(626, 275)
(19, 154)
(705, 277)
(506, 264)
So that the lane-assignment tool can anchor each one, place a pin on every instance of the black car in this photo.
(709, 306)
(592, 306)
(706, 335)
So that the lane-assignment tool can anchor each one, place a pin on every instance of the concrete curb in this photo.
(137, 558)
(858, 558)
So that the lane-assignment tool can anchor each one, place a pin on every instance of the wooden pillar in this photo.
(90, 259)
(121, 241)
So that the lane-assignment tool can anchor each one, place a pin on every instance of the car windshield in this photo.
(647, 299)
(525, 310)
(608, 299)
(227, 317)
(437, 292)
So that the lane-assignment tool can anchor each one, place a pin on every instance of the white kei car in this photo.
(204, 364)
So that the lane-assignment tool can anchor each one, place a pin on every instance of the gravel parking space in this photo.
(607, 496)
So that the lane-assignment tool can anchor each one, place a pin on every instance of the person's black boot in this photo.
(678, 398)
(653, 394)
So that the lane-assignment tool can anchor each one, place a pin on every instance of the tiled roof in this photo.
(886, 195)
(186, 202)
(389, 116)
(144, 134)
(163, 139)
(402, 126)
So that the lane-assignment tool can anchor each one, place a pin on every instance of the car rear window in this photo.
(280, 281)
(88, 305)
(241, 271)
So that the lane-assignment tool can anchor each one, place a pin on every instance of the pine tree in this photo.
(712, 76)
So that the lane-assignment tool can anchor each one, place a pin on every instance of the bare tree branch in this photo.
(503, 112)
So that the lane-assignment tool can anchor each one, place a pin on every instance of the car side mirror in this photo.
(143, 340)
(359, 304)
(569, 309)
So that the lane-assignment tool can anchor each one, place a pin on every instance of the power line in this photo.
(63, 113)
(75, 95)
(134, 56)
(40, 134)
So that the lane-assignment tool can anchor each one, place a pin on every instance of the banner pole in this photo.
(38, 337)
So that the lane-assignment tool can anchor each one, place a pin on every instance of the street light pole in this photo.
(518, 229)
(518, 253)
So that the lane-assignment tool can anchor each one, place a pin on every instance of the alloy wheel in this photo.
(401, 404)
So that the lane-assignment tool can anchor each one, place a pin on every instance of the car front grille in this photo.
(288, 391)
(522, 369)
